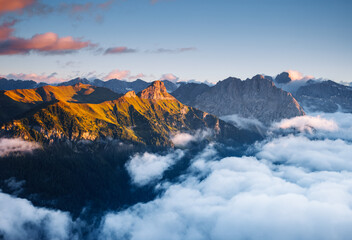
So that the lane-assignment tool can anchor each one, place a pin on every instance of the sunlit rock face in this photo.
(156, 91)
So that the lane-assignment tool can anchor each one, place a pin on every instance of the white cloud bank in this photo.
(243, 198)
(147, 167)
(16, 145)
(322, 125)
(183, 139)
(295, 188)
(308, 123)
(21, 220)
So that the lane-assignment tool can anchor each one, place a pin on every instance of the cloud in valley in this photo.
(308, 123)
(183, 139)
(21, 220)
(244, 123)
(147, 167)
(235, 201)
(323, 125)
(294, 187)
(16, 145)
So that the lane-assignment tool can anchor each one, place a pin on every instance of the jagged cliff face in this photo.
(254, 98)
(156, 91)
(78, 112)
(325, 96)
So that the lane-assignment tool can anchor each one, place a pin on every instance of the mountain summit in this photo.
(156, 91)
(253, 98)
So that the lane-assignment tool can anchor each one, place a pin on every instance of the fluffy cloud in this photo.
(183, 139)
(123, 75)
(294, 187)
(49, 43)
(169, 76)
(308, 123)
(295, 75)
(321, 125)
(147, 167)
(21, 220)
(16, 145)
(118, 74)
(119, 50)
(329, 155)
(14, 5)
(242, 198)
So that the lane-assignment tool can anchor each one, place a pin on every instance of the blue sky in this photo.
(191, 39)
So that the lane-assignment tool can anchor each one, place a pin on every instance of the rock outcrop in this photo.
(253, 98)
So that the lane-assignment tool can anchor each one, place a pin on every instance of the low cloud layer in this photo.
(308, 123)
(16, 145)
(243, 198)
(294, 187)
(21, 220)
(288, 187)
(244, 123)
(183, 139)
(322, 125)
(147, 167)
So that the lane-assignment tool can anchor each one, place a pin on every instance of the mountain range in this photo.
(317, 95)
(116, 85)
(253, 98)
(85, 112)
(265, 98)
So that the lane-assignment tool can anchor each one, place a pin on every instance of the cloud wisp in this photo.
(119, 50)
(21, 220)
(14, 5)
(148, 167)
(16, 145)
(183, 139)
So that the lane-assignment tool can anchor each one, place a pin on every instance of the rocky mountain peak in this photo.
(130, 94)
(283, 78)
(156, 91)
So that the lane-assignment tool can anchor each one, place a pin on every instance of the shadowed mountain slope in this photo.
(253, 98)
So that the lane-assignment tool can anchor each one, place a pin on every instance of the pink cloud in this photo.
(43, 43)
(14, 5)
(106, 4)
(138, 76)
(123, 74)
(295, 75)
(35, 77)
(169, 76)
(6, 29)
(119, 50)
